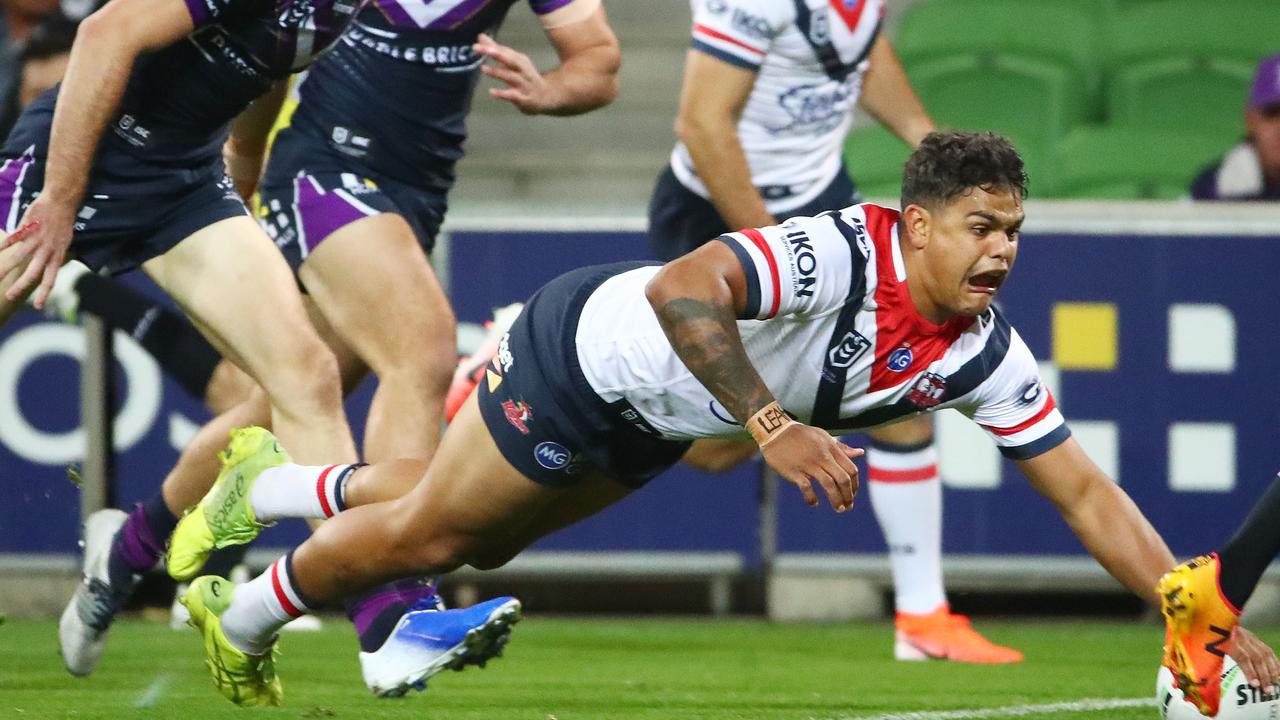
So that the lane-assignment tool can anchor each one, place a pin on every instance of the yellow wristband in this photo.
(768, 423)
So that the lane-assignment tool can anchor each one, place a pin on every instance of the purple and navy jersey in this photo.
(394, 94)
(180, 100)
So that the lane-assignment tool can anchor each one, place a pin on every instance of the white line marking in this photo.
(154, 691)
(1079, 706)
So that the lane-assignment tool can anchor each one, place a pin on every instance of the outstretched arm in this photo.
(1102, 515)
(586, 79)
(106, 45)
(697, 299)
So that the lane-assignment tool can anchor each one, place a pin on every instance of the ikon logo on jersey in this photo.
(518, 414)
(851, 347)
(900, 359)
(552, 455)
(928, 391)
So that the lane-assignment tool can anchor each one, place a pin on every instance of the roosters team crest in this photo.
(518, 414)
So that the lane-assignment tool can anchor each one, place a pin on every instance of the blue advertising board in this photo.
(1160, 349)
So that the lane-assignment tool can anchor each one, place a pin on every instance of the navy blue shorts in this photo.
(305, 197)
(546, 419)
(681, 221)
(132, 211)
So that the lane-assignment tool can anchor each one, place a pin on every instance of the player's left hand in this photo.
(41, 241)
(1256, 659)
(243, 169)
(526, 88)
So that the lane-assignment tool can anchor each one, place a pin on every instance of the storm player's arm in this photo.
(1102, 515)
(590, 58)
(246, 146)
(106, 45)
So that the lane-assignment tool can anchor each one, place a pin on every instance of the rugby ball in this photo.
(1239, 700)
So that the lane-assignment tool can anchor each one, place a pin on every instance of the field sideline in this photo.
(618, 669)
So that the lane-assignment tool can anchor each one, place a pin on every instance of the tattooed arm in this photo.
(697, 299)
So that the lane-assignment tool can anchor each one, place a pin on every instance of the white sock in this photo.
(300, 491)
(906, 494)
(260, 607)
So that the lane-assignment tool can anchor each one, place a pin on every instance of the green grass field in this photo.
(571, 669)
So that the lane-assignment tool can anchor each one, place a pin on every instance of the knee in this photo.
(433, 554)
(309, 375)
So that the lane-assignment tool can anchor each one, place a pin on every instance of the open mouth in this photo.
(988, 282)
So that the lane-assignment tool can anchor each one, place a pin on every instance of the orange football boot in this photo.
(471, 369)
(1198, 621)
(942, 635)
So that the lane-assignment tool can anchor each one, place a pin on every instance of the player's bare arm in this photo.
(697, 300)
(246, 147)
(1102, 515)
(106, 45)
(586, 79)
(888, 97)
(711, 101)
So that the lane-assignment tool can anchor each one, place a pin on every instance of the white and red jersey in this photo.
(809, 56)
(831, 328)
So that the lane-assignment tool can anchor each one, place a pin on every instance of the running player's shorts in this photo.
(132, 211)
(304, 198)
(543, 414)
(681, 220)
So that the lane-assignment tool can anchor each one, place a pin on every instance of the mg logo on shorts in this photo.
(552, 455)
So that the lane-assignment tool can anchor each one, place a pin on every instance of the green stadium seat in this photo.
(1130, 163)
(1023, 97)
(1244, 30)
(875, 157)
(1181, 92)
(1069, 32)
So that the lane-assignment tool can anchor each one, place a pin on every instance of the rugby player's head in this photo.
(962, 213)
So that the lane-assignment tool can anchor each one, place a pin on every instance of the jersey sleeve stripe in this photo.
(1049, 406)
(723, 56)
(753, 277)
(709, 33)
(1041, 446)
(774, 277)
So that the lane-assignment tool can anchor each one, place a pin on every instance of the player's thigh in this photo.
(718, 455)
(372, 282)
(9, 307)
(593, 494)
(471, 496)
(236, 287)
(910, 431)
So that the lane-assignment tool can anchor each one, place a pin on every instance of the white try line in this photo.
(154, 691)
(1010, 711)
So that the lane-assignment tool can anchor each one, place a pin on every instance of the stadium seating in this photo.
(1130, 163)
(1181, 92)
(1022, 96)
(875, 157)
(1062, 32)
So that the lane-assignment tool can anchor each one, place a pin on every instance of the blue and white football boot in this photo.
(428, 640)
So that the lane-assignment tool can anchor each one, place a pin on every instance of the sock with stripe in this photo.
(140, 542)
(906, 495)
(260, 607)
(300, 491)
(1255, 544)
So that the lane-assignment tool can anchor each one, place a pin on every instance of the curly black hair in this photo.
(950, 164)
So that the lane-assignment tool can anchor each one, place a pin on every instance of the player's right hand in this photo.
(40, 242)
(805, 455)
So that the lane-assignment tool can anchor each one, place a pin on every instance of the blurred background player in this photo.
(1251, 170)
(18, 20)
(150, 100)
(1202, 600)
(354, 194)
(769, 92)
